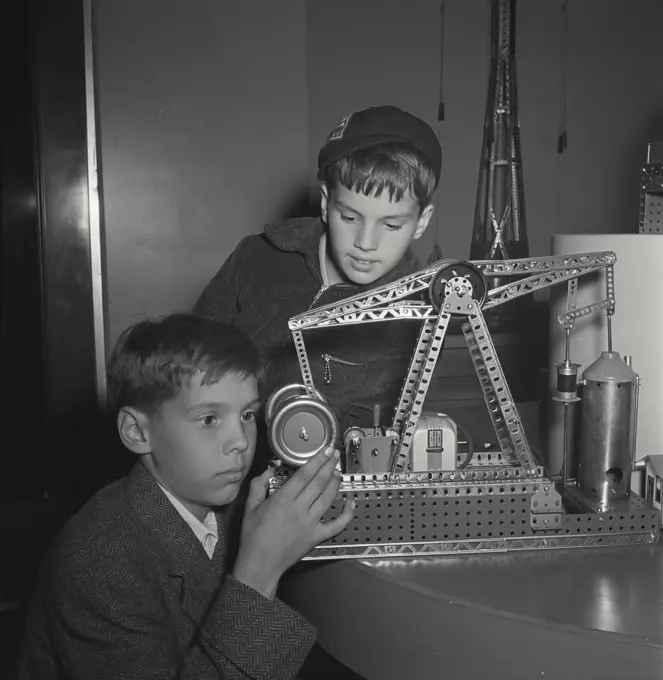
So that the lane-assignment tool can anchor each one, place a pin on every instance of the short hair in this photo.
(395, 167)
(153, 359)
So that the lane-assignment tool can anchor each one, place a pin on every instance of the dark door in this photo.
(51, 457)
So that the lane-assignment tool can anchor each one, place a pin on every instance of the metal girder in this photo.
(422, 548)
(390, 301)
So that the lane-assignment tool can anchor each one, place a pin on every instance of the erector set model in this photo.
(415, 492)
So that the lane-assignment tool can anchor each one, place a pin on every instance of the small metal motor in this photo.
(370, 450)
(607, 429)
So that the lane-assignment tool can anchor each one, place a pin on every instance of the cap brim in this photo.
(334, 151)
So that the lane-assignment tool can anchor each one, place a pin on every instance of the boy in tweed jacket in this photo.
(143, 582)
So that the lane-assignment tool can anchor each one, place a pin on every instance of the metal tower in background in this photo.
(499, 219)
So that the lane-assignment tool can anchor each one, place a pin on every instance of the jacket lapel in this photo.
(191, 573)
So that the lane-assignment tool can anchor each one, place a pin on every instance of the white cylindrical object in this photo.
(435, 443)
(637, 330)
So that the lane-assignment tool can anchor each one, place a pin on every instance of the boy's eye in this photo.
(249, 415)
(351, 219)
(394, 226)
(208, 421)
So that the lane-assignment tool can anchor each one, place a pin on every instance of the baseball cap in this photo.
(378, 125)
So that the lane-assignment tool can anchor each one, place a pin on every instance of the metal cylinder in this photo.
(607, 425)
(567, 382)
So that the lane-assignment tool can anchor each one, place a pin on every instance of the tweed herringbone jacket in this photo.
(129, 592)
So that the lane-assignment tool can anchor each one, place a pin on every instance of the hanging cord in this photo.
(562, 140)
(489, 38)
(440, 106)
(436, 252)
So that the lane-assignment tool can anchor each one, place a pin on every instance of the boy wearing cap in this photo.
(379, 169)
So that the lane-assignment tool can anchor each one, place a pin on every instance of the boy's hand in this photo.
(278, 531)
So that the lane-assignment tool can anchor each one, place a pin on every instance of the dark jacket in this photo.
(129, 592)
(275, 275)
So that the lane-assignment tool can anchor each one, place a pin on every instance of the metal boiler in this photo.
(607, 429)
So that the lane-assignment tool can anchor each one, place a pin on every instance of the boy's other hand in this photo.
(279, 530)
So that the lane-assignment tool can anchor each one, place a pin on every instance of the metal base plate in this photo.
(420, 516)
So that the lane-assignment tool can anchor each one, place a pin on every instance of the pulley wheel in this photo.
(351, 433)
(282, 394)
(457, 275)
(301, 428)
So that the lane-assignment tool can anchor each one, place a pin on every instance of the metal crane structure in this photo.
(489, 501)
(499, 219)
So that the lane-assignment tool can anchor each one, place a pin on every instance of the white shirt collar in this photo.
(322, 254)
(207, 531)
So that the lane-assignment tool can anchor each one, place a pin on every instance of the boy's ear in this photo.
(423, 221)
(132, 426)
(324, 201)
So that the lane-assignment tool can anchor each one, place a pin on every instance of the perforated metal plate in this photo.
(421, 515)
(493, 458)
(651, 199)
(471, 517)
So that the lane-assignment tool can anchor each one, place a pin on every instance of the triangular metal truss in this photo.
(463, 299)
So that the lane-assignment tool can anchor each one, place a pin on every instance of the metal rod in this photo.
(568, 345)
(635, 423)
(565, 456)
(609, 332)
(376, 418)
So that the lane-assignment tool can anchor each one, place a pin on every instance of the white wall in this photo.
(203, 125)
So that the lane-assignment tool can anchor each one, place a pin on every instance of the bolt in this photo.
(303, 434)
(375, 453)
